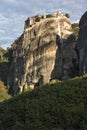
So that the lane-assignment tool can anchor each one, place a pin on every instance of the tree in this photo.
(67, 15)
(75, 27)
(1, 54)
(37, 19)
(49, 16)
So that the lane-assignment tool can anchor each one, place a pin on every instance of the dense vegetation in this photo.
(75, 27)
(67, 15)
(37, 19)
(49, 16)
(3, 65)
(3, 74)
(3, 92)
(55, 105)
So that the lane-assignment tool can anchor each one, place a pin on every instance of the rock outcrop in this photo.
(42, 53)
(82, 44)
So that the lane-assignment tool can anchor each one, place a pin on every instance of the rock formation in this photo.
(42, 53)
(82, 44)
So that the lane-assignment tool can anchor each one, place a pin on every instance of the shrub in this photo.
(60, 104)
(75, 27)
(4, 65)
(37, 19)
(49, 16)
(3, 92)
(67, 15)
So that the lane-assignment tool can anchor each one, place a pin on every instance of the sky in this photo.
(13, 14)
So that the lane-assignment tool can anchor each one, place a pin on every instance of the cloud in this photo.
(11, 28)
(12, 1)
(13, 13)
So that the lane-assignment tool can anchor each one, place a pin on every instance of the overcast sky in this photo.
(13, 13)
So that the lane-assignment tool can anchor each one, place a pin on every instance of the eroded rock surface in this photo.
(82, 44)
(42, 53)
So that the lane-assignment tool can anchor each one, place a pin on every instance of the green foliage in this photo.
(3, 56)
(37, 19)
(59, 104)
(49, 16)
(3, 65)
(3, 74)
(3, 92)
(67, 15)
(3, 71)
(75, 27)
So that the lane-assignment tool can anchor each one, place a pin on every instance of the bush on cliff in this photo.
(3, 92)
(67, 15)
(62, 104)
(49, 16)
(75, 27)
(3, 65)
(37, 19)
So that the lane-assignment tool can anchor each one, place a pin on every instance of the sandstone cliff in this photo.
(42, 53)
(82, 44)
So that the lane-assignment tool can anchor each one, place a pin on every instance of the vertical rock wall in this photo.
(41, 54)
(82, 44)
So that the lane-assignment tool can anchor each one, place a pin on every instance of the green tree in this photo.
(49, 16)
(75, 27)
(37, 19)
(67, 15)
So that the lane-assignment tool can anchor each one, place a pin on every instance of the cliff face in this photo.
(42, 53)
(82, 44)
